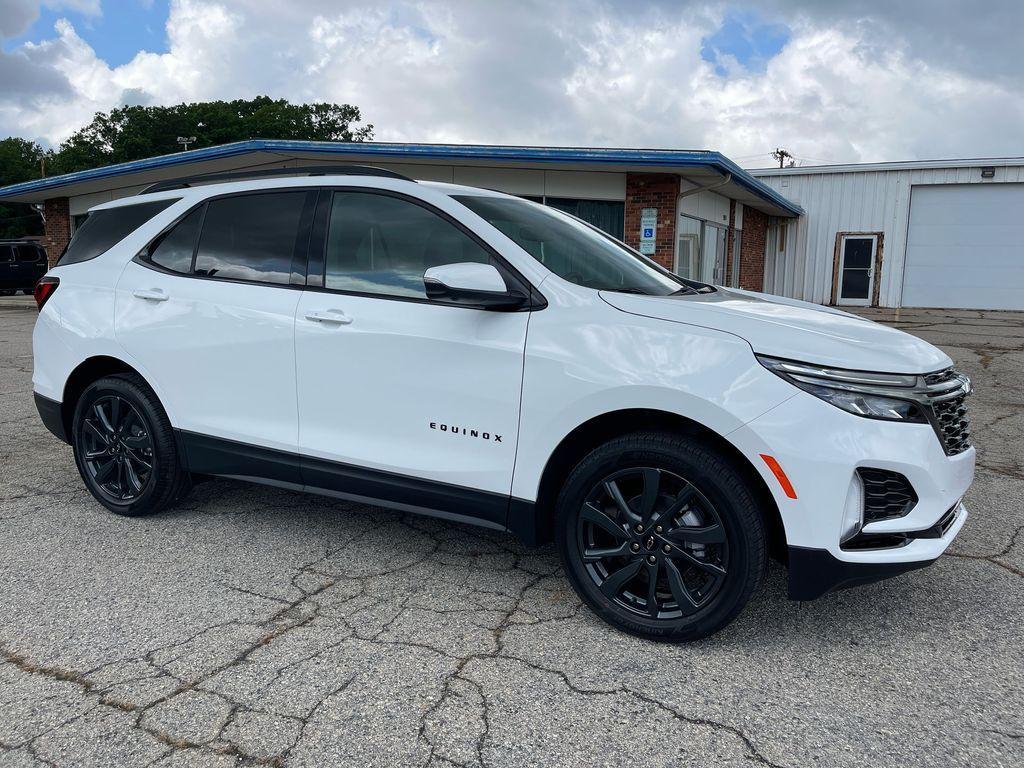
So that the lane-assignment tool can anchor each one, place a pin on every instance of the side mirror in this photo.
(472, 285)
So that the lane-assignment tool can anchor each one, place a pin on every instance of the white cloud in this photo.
(584, 73)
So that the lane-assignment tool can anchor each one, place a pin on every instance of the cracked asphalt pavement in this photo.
(254, 626)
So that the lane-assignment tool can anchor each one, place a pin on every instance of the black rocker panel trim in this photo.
(815, 572)
(227, 458)
(52, 416)
(467, 503)
(208, 455)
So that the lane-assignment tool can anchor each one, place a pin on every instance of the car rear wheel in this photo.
(125, 449)
(660, 535)
(27, 291)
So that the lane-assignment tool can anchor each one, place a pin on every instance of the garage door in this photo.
(965, 247)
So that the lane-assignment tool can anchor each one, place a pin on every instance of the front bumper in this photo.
(815, 572)
(820, 448)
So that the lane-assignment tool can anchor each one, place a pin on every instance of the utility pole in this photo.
(782, 156)
(42, 167)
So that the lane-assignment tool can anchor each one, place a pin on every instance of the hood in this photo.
(797, 330)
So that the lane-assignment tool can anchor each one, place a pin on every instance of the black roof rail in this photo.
(309, 170)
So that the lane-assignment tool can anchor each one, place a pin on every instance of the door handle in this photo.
(334, 316)
(153, 294)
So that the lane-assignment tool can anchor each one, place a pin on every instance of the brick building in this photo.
(695, 212)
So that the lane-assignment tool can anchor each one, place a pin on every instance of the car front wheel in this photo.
(661, 536)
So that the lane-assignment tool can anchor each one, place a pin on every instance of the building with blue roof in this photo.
(695, 212)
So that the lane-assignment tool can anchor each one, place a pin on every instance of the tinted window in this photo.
(103, 229)
(571, 249)
(383, 245)
(6, 253)
(27, 253)
(251, 237)
(174, 250)
(606, 215)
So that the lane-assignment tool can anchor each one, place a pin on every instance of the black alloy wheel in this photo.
(653, 543)
(661, 535)
(125, 447)
(116, 448)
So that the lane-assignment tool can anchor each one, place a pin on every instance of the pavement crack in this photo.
(994, 559)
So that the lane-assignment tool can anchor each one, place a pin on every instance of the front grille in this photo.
(948, 399)
(939, 377)
(886, 494)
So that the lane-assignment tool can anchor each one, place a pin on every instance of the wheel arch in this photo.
(607, 426)
(85, 373)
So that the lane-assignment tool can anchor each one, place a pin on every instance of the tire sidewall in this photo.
(128, 391)
(724, 487)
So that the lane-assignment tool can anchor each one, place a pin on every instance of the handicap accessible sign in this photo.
(648, 230)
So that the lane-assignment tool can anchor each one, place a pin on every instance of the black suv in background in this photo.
(22, 263)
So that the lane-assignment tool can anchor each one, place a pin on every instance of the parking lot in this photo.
(254, 626)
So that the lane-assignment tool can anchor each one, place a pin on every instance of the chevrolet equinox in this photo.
(475, 356)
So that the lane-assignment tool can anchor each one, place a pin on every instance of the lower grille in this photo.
(886, 494)
(901, 539)
(940, 528)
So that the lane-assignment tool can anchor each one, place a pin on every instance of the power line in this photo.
(782, 156)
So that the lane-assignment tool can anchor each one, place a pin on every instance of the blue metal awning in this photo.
(663, 160)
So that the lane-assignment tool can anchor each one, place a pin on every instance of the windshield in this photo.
(571, 249)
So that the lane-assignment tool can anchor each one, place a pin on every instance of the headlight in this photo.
(872, 395)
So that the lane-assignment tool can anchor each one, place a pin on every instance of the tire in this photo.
(7, 292)
(27, 291)
(701, 536)
(119, 419)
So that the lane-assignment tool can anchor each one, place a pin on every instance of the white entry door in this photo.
(857, 270)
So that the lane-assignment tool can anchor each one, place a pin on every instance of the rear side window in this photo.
(174, 250)
(6, 253)
(27, 253)
(251, 237)
(104, 229)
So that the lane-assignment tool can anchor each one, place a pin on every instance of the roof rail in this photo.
(309, 170)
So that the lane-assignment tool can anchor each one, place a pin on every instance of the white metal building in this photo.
(946, 233)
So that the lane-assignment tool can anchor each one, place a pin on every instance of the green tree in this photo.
(19, 161)
(136, 132)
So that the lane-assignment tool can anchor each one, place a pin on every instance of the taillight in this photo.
(44, 289)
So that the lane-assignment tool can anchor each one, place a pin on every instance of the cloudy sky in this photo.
(831, 81)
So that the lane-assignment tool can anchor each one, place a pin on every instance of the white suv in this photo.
(479, 357)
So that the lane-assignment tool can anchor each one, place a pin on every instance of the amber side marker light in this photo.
(44, 289)
(776, 468)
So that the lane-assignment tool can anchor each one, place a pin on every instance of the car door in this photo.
(9, 268)
(208, 311)
(34, 260)
(400, 397)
